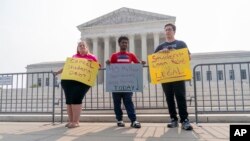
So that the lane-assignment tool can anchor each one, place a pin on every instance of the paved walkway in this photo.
(42, 131)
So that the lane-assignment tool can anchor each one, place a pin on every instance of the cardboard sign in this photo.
(81, 70)
(169, 66)
(124, 78)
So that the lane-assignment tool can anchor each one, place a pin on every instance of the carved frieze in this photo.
(126, 15)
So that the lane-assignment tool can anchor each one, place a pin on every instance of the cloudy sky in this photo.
(34, 31)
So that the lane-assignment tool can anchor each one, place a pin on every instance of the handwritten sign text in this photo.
(169, 66)
(124, 78)
(81, 70)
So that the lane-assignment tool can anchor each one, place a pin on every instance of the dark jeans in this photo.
(177, 90)
(128, 103)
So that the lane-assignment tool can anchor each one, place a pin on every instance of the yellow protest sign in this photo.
(81, 70)
(169, 66)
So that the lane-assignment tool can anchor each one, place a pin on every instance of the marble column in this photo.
(106, 49)
(117, 47)
(144, 47)
(106, 54)
(156, 40)
(132, 43)
(95, 46)
(144, 57)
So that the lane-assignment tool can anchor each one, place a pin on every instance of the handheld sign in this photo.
(169, 66)
(6, 80)
(124, 78)
(81, 70)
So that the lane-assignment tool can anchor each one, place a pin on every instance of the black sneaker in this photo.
(136, 124)
(186, 125)
(173, 124)
(120, 124)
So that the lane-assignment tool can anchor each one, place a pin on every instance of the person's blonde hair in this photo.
(85, 44)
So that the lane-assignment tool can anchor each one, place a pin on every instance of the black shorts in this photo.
(74, 91)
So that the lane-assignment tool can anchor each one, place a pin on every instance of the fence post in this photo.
(195, 96)
(53, 92)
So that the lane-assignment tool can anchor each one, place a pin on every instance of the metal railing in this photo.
(39, 93)
(27, 93)
(221, 88)
(97, 98)
(217, 88)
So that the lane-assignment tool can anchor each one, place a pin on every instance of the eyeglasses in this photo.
(168, 29)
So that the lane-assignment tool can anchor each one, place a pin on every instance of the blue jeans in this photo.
(128, 103)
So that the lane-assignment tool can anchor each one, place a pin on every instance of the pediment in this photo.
(126, 15)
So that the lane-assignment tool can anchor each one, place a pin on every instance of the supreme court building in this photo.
(145, 31)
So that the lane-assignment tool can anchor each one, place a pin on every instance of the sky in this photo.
(34, 31)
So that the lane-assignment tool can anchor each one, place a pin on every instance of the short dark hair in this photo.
(172, 25)
(123, 38)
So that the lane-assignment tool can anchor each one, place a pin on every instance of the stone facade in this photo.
(145, 31)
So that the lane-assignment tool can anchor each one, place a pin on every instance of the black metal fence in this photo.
(40, 93)
(27, 93)
(216, 88)
(222, 88)
(97, 98)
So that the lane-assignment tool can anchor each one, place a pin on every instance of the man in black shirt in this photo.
(175, 89)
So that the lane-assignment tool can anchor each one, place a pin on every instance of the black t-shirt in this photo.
(171, 45)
